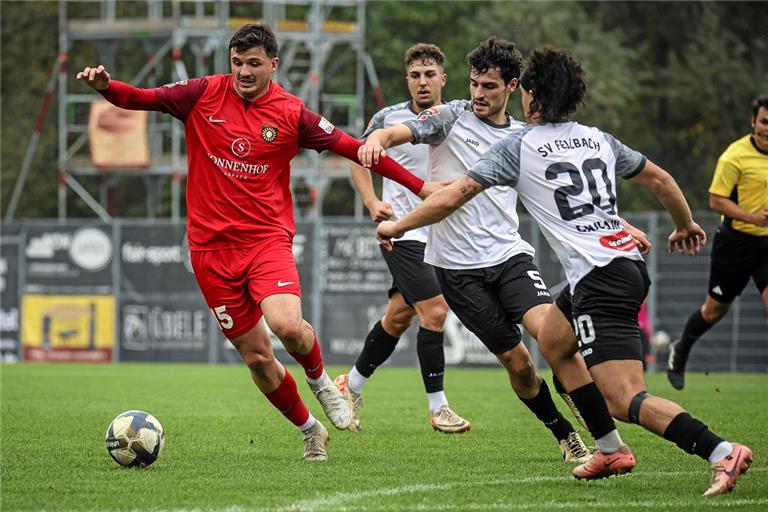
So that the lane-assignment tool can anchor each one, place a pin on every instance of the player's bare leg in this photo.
(622, 383)
(283, 314)
(279, 387)
(429, 345)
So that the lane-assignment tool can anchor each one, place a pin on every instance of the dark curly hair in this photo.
(760, 101)
(496, 53)
(556, 82)
(429, 53)
(254, 35)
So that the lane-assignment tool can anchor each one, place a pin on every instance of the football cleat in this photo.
(574, 410)
(602, 465)
(447, 421)
(676, 366)
(725, 472)
(574, 449)
(315, 441)
(355, 400)
(334, 405)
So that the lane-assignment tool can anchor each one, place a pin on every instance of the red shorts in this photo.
(235, 281)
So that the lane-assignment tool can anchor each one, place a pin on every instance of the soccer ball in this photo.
(135, 438)
(660, 341)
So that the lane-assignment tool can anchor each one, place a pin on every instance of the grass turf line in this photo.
(228, 449)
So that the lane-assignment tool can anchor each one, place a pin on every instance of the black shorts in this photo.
(736, 257)
(604, 309)
(491, 301)
(414, 279)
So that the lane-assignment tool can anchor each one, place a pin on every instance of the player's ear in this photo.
(275, 63)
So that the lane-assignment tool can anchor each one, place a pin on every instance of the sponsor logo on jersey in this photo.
(325, 125)
(473, 142)
(621, 241)
(241, 147)
(239, 170)
(432, 111)
(269, 133)
(180, 82)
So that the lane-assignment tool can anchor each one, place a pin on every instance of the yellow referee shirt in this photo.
(742, 175)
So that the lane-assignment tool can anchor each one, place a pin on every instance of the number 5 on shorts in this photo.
(225, 321)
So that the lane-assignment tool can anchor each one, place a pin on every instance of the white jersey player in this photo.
(566, 175)
(486, 270)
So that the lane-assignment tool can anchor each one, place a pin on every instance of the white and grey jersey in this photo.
(413, 158)
(566, 174)
(483, 232)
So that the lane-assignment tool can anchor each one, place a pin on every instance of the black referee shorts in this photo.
(491, 301)
(414, 279)
(736, 257)
(604, 309)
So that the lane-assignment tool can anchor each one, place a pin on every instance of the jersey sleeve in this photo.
(628, 161)
(377, 121)
(727, 174)
(175, 99)
(433, 125)
(500, 165)
(316, 132)
(179, 98)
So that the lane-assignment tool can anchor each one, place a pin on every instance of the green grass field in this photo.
(228, 450)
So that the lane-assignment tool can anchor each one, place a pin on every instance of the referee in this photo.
(739, 192)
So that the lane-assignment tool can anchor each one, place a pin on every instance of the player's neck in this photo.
(419, 109)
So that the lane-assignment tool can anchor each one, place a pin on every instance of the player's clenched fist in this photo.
(98, 77)
(386, 231)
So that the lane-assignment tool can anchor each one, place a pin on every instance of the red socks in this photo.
(287, 400)
(312, 361)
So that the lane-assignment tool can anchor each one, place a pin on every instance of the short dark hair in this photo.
(429, 53)
(556, 81)
(496, 53)
(760, 101)
(254, 35)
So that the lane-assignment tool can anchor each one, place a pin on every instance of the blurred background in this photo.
(94, 260)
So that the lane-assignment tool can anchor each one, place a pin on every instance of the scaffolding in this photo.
(316, 37)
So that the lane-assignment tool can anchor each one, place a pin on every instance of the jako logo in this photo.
(241, 147)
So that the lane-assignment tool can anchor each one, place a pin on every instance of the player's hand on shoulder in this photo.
(370, 153)
(97, 78)
(688, 240)
(380, 211)
(430, 187)
(386, 231)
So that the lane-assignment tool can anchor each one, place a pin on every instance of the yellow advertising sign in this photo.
(68, 327)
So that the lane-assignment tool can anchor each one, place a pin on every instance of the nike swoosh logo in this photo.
(280, 284)
(733, 472)
(211, 119)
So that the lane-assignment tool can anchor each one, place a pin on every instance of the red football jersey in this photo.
(239, 154)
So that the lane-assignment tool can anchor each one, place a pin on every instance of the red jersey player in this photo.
(242, 130)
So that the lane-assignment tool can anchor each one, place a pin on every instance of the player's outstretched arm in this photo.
(434, 209)
(361, 178)
(379, 140)
(119, 93)
(688, 237)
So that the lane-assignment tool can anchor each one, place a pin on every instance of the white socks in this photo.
(720, 452)
(610, 442)
(356, 381)
(308, 424)
(436, 400)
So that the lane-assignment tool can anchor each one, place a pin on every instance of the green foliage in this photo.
(227, 448)
(671, 79)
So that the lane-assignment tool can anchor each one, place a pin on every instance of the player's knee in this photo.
(396, 325)
(257, 361)
(713, 312)
(519, 365)
(288, 329)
